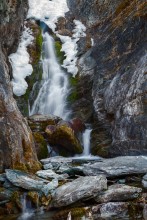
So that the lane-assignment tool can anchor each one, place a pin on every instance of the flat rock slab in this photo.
(118, 193)
(119, 166)
(25, 180)
(80, 189)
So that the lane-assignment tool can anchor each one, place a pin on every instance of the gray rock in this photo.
(50, 174)
(50, 187)
(80, 189)
(5, 194)
(25, 180)
(111, 209)
(2, 177)
(58, 160)
(119, 166)
(144, 181)
(118, 193)
(47, 166)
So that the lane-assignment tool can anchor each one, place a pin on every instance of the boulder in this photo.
(40, 122)
(119, 166)
(25, 180)
(118, 193)
(63, 136)
(82, 188)
(119, 210)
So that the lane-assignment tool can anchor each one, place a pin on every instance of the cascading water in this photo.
(27, 210)
(54, 85)
(86, 141)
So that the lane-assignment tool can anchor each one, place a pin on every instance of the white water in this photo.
(55, 87)
(86, 141)
(27, 211)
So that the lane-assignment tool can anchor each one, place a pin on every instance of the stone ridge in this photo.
(119, 79)
(17, 149)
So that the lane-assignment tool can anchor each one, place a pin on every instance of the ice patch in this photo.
(69, 46)
(20, 63)
(47, 11)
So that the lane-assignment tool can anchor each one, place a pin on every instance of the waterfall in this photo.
(86, 141)
(27, 211)
(54, 89)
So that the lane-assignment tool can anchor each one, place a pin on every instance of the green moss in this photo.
(20, 166)
(60, 54)
(73, 96)
(73, 81)
(41, 145)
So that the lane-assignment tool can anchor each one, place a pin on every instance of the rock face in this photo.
(119, 166)
(17, 148)
(80, 189)
(119, 76)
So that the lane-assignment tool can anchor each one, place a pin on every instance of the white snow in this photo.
(70, 48)
(47, 11)
(20, 63)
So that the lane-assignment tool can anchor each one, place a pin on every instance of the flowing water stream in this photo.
(54, 89)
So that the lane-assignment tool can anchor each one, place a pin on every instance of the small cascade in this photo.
(27, 210)
(86, 141)
(54, 85)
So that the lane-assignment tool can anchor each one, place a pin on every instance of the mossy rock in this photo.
(63, 136)
(41, 146)
(33, 197)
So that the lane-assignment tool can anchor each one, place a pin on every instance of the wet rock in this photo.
(31, 182)
(56, 160)
(40, 122)
(63, 136)
(25, 180)
(118, 193)
(111, 210)
(119, 166)
(50, 174)
(80, 189)
(50, 187)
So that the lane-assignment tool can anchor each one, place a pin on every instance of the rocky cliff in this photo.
(116, 68)
(16, 142)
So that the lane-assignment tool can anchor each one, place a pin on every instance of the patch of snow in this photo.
(47, 11)
(20, 63)
(69, 46)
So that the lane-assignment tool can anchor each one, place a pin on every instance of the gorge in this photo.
(73, 137)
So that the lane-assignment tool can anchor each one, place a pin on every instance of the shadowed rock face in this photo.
(16, 142)
(119, 78)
